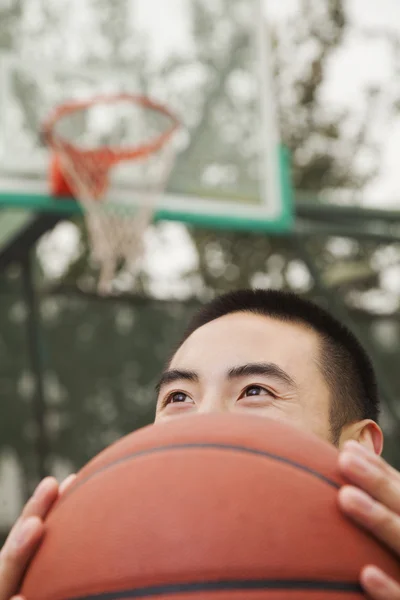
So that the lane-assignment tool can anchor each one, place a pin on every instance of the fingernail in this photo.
(375, 580)
(357, 448)
(353, 445)
(359, 465)
(24, 532)
(360, 500)
(67, 482)
(42, 486)
(374, 573)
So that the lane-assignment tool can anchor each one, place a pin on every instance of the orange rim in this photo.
(109, 154)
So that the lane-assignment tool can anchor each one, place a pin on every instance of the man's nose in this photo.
(213, 403)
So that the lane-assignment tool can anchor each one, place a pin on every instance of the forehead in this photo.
(240, 338)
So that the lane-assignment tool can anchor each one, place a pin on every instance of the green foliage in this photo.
(101, 362)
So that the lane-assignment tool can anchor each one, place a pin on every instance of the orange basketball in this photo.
(210, 507)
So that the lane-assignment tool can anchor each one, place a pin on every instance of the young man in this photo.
(280, 357)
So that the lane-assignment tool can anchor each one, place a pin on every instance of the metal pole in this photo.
(35, 355)
(314, 210)
(376, 232)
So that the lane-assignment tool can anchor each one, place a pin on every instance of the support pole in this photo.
(35, 356)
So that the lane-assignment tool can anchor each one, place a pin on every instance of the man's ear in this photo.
(366, 432)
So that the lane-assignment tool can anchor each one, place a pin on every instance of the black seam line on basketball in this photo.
(197, 446)
(220, 586)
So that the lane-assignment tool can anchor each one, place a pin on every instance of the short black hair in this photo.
(344, 363)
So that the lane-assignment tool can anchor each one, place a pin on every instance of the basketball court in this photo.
(180, 124)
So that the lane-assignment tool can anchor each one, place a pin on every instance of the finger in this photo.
(371, 515)
(373, 475)
(42, 499)
(17, 552)
(68, 481)
(378, 585)
(37, 506)
(25, 537)
(356, 447)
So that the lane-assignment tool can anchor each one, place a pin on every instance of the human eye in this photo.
(256, 390)
(177, 398)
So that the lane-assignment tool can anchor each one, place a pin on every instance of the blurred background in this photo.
(77, 370)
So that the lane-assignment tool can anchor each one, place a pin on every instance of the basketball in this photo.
(215, 507)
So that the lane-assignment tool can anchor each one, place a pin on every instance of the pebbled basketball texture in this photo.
(214, 507)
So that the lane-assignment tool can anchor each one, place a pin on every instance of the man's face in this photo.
(246, 362)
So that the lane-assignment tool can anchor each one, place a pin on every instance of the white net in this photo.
(124, 159)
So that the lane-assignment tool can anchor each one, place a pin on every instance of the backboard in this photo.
(209, 62)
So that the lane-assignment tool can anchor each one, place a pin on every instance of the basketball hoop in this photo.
(113, 154)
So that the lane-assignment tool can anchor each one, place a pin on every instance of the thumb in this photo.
(16, 554)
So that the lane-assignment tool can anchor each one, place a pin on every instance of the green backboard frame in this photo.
(231, 171)
(20, 196)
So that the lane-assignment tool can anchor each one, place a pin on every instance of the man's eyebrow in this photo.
(173, 375)
(266, 369)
